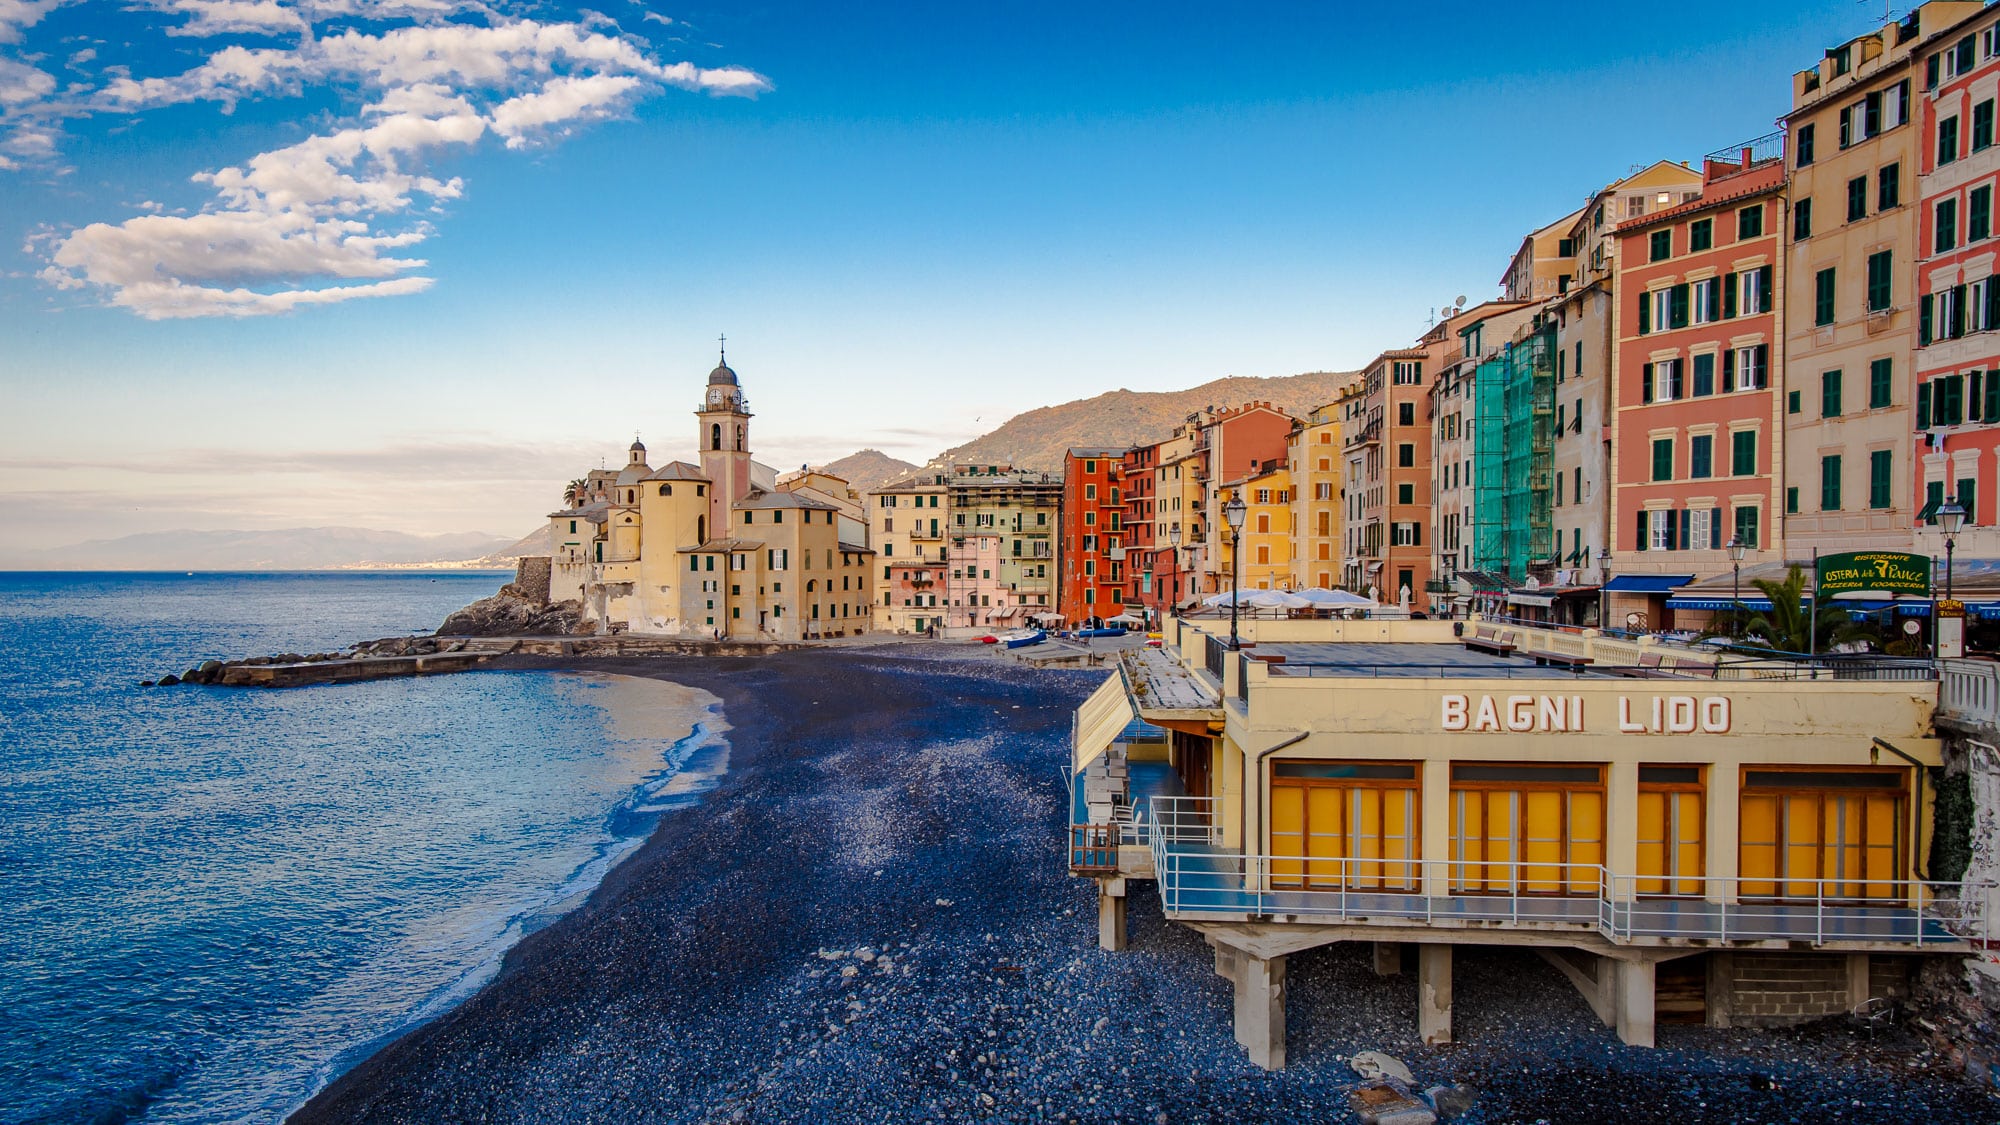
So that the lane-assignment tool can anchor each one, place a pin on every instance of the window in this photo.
(1823, 290)
(1829, 394)
(1663, 458)
(1704, 374)
(1406, 494)
(1829, 483)
(1979, 213)
(1406, 413)
(1746, 526)
(1880, 376)
(1802, 220)
(1880, 283)
(1792, 500)
(1857, 198)
(1406, 456)
(1743, 453)
(1791, 402)
(1947, 141)
(1700, 529)
(1660, 530)
(1701, 235)
(1752, 295)
(1803, 146)
(1982, 125)
(1701, 456)
(1750, 222)
(1662, 245)
(1880, 465)
(1889, 187)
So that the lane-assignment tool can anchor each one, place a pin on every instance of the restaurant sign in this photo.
(1874, 572)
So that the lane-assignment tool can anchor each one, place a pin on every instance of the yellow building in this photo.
(907, 523)
(720, 549)
(1655, 820)
(1266, 536)
(1313, 450)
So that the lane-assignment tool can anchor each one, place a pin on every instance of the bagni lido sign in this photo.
(1522, 714)
(1888, 572)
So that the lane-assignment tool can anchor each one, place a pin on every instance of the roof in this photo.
(1646, 583)
(850, 548)
(1092, 452)
(718, 546)
(909, 484)
(677, 470)
(758, 501)
(722, 376)
(595, 513)
(1704, 203)
(633, 475)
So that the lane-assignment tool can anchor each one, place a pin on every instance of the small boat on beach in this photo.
(1022, 638)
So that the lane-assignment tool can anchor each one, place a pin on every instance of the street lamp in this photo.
(1232, 514)
(1737, 549)
(1951, 519)
(1603, 580)
(1174, 538)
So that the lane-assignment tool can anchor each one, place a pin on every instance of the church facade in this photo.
(720, 548)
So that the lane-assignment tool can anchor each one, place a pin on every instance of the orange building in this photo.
(1697, 419)
(1092, 552)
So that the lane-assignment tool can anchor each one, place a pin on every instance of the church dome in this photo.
(722, 376)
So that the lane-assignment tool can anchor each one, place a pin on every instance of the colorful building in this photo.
(1956, 394)
(1697, 425)
(1312, 450)
(1002, 544)
(1147, 554)
(1266, 539)
(1092, 547)
(908, 520)
(1234, 443)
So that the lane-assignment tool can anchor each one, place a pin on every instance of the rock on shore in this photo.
(509, 614)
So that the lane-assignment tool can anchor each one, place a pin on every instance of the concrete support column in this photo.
(1858, 985)
(1721, 997)
(1434, 993)
(1723, 796)
(1111, 915)
(1388, 958)
(1436, 827)
(1633, 985)
(1621, 820)
(1260, 1009)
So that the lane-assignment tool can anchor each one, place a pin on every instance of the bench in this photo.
(1649, 668)
(1560, 660)
(1489, 640)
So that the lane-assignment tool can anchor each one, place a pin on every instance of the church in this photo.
(723, 549)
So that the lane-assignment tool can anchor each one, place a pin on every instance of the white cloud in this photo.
(21, 84)
(19, 15)
(656, 17)
(318, 221)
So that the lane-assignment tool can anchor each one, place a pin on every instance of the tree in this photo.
(1789, 624)
(573, 492)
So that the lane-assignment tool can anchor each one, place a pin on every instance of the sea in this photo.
(215, 900)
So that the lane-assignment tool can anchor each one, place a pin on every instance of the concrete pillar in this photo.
(1634, 996)
(1111, 915)
(1434, 993)
(1435, 824)
(1723, 797)
(1621, 823)
(1858, 984)
(1260, 1010)
(1388, 958)
(1721, 997)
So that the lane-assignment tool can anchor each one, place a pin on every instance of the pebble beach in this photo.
(869, 918)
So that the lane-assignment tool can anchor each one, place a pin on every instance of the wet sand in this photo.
(869, 920)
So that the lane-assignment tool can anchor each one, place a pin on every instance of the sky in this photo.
(413, 264)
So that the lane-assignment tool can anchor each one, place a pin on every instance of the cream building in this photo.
(1313, 451)
(716, 549)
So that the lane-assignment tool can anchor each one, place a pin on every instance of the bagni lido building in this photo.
(723, 549)
(1685, 836)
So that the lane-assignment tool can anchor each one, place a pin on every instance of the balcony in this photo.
(1201, 880)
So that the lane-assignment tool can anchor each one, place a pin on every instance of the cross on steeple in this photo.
(722, 346)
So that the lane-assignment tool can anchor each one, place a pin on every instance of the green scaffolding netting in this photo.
(1514, 443)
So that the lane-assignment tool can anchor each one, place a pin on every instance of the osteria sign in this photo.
(1565, 714)
(1873, 572)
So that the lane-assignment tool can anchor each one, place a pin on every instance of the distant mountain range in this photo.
(869, 469)
(1122, 418)
(292, 548)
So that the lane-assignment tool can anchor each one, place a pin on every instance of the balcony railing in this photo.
(1199, 878)
(1969, 693)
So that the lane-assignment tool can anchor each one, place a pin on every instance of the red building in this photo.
(1146, 560)
(1697, 418)
(1092, 551)
(1957, 392)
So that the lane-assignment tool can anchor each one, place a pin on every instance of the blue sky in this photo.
(913, 221)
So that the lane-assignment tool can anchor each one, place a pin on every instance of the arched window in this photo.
(811, 585)
(715, 436)
(739, 437)
(666, 490)
(701, 529)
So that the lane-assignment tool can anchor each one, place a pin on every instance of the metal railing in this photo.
(1198, 877)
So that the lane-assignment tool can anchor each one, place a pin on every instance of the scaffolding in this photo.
(1514, 456)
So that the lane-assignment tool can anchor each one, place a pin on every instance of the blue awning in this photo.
(1646, 583)
(1720, 604)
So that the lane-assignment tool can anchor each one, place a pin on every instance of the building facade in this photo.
(1092, 548)
(1312, 451)
(908, 520)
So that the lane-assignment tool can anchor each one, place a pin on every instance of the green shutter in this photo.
(1729, 296)
(1677, 306)
(1880, 465)
(1881, 373)
(1968, 498)
(1924, 306)
(1645, 313)
(1829, 483)
(1923, 406)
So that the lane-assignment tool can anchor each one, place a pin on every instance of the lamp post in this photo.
(1737, 548)
(1951, 519)
(1603, 580)
(1232, 514)
(1174, 539)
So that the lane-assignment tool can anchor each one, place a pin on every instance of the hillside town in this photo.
(1710, 370)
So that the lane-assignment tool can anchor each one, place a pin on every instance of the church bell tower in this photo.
(724, 441)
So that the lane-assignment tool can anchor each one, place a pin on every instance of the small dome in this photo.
(638, 446)
(722, 376)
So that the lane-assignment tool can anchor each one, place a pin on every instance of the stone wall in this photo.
(531, 578)
(1781, 989)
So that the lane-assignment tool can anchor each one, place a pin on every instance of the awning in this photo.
(1373, 567)
(1046, 618)
(1539, 601)
(1100, 720)
(1647, 583)
(1003, 615)
(1720, 604)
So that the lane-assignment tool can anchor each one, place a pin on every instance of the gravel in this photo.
(870, 920)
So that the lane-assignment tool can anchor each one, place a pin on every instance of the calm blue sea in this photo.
(213, 900)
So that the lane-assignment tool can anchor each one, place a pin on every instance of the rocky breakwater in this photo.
(514, 612)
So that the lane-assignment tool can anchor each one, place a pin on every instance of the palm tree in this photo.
(1789, 626)
(573, 492)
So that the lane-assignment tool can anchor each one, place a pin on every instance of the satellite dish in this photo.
(1461, 301)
